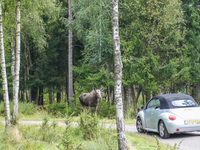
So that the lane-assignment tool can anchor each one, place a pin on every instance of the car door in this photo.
(155, 113)
(151, 113)
(148, 113)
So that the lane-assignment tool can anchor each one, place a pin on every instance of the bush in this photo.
(58, 109)
(88, 126)
(48, 131)
(27, 108)
(106, 109)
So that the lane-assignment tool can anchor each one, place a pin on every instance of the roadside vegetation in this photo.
(88, 135)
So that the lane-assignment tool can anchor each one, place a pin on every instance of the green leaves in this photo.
(92, 27)
(88, 77)
(150, 42)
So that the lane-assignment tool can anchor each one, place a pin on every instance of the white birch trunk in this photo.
(13, 60)
(17, 67)
(4, 75)
(122, 144)
(70, 73)
(13, 57)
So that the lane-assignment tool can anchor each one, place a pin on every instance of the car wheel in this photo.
(139, 125)
(163, 130)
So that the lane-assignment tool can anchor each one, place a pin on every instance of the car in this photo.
(169, 114)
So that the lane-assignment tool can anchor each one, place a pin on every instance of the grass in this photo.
(146, 143)
(40, 115)
(36, 137)
(53, 137)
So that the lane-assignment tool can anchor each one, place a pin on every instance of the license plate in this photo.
(191, 122)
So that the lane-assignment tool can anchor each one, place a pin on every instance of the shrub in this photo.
(88, 126)
(48, 131)
(27, 108)
(58, 109)
(106, 109)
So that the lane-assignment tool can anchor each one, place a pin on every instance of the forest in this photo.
(159, 42)
(52, 51)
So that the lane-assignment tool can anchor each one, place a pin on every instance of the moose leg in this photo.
(90, 109)
(96, 110)
(83, 107)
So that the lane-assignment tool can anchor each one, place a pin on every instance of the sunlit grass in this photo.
(40, 115)
(35, 137)
(146, 143)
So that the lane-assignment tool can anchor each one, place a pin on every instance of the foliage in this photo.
(159, 42)
(57, 109)
(91, 26)
(87, 77)
(48, 131)
(88, 126)
(150, 41)
(67, 142)
(106, 109)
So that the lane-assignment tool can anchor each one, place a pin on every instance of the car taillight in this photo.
(172, 117)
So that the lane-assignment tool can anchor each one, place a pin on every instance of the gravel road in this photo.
(187, 141)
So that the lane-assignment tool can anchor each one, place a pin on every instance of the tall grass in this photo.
(24, 108)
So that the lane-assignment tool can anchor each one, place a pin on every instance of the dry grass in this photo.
(15, 134)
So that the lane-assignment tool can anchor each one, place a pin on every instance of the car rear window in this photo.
(183, 103)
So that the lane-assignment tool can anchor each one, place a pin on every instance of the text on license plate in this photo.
(191, 122)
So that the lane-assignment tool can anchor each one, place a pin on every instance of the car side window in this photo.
(151, 104)
(154, 103)
(157, 103)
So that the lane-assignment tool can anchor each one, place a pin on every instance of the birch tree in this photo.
(122, 144)
(70, 73)
(4, 75)
(17, 68)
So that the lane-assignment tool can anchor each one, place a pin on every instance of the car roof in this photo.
(165, 99)
(174, 96)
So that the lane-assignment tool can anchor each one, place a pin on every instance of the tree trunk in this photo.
(122, 144)
(134, 99)
(70, 73)
(34, 95)
(188, 88)
(4, 75)
(198, 92)
(148, 96)
(13, 59)
(17, 68)
(41, 99)
(22, 95)
(125, 100)
(58, 96)
(130, 100)
(51, 96)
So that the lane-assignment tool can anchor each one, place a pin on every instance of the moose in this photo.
(91, 99)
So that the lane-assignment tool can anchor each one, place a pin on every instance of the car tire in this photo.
(163, 130)
(139, 125)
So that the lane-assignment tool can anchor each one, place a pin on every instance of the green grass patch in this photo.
(51, 137)
(57, 112)
(145, 143)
